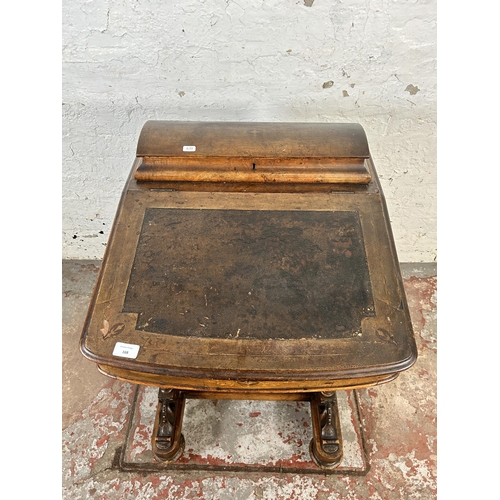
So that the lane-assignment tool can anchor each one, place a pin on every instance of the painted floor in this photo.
(248, 449)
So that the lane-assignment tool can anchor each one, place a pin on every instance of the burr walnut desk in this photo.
(251, 261)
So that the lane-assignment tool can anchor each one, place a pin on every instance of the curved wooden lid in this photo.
(253, 152)
(239, 139)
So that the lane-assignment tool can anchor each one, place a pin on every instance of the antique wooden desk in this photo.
(251, 261)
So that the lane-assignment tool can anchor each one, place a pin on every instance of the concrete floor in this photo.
(397, 424)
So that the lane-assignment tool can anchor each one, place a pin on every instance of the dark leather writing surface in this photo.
(250, 274)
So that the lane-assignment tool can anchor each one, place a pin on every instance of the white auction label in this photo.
(189, 148)
(126, 350)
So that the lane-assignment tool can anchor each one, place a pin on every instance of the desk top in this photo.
(251, 251)
(254, 285)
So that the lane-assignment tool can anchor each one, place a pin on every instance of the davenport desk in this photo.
(251, 261)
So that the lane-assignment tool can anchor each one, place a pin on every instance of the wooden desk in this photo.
(251, 261)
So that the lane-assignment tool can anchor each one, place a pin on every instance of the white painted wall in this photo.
(128, 61)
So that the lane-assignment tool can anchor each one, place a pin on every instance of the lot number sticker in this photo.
(126, 350)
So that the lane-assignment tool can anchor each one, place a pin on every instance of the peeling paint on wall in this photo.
(412, 89)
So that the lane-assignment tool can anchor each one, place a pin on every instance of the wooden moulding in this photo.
(222, 169)
(242, 389)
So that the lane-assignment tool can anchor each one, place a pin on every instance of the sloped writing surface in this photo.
(250, 274)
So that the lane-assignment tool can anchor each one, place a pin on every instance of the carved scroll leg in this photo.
(167, 440)
(326, 444)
